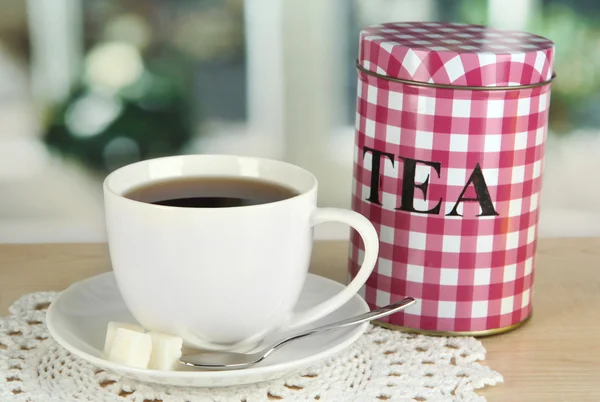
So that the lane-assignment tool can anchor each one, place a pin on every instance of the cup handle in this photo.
(366, 230)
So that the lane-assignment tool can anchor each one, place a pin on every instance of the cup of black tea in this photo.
(216, 248)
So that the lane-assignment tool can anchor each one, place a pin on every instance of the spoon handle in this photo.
(359, 319)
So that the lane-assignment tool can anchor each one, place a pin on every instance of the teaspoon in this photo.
(220, 360)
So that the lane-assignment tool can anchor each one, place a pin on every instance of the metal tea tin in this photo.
(451, 124)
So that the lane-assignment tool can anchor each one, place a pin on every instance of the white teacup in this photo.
(221, 278)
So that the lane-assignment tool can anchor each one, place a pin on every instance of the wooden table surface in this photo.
(554, 357)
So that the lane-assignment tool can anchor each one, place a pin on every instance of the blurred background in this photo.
(88, 86)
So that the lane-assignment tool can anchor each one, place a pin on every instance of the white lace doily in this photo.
(382, 365)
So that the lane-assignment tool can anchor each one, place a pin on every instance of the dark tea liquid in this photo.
(211, 192)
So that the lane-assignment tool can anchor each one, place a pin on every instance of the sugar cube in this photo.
(166, 351)
(112, 328)
(131, 348)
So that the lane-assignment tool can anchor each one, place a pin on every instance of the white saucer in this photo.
(78, 317)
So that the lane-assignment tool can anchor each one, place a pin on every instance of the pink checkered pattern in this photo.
(468, 272)
(456, 54)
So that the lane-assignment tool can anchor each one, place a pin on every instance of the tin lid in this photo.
(456, 54)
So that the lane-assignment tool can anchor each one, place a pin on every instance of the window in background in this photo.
(93, 85)
(86, 86)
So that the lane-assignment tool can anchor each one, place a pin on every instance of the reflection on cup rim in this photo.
(309, 187)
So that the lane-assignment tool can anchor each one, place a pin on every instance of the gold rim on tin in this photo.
(478, 334)
(448, 86)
